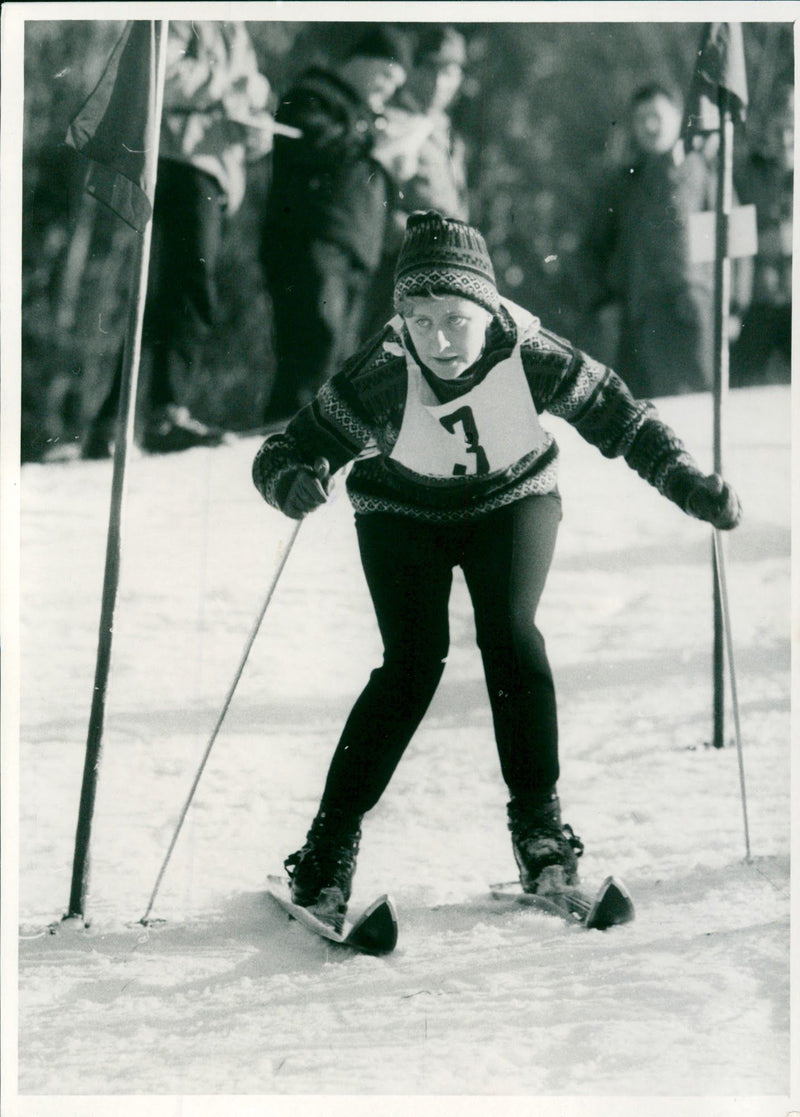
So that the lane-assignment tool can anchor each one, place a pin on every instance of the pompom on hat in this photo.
(443, 256)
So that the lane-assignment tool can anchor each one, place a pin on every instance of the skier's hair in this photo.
(404, 302)
(404, 305)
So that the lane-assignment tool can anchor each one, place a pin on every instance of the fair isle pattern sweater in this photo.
(357, 416)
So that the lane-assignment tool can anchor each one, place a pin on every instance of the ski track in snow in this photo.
(227, 997)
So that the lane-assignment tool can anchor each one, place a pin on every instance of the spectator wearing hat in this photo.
(326, 214)
(422, 153)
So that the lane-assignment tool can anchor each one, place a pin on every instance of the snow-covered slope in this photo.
(227, 998)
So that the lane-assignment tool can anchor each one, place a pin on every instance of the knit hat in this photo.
(443, 256)
(383, 42)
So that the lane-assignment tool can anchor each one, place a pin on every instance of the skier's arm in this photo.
(329, 429)
(590, 396)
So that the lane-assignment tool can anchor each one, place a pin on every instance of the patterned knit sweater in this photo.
(357, 416)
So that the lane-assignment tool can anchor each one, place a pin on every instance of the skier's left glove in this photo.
(307, 489)
(713, 500)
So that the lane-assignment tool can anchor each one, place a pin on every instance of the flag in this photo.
(720, 65)
(116, 129)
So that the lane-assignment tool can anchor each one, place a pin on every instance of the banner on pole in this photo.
(742, 237)
(116, 127)
(720, 65)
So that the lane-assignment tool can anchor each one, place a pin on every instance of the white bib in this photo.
(484, 431)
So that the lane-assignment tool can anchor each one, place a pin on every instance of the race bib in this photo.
(484, 431)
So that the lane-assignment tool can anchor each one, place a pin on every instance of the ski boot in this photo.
(171, 429)
(546, 851)
(321, 873)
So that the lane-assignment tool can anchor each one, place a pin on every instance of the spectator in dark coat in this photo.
(636, 254)
(762, 353)
(326, 214)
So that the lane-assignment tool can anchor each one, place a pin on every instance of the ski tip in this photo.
(373, 932)
(612, 906)
(376, 930)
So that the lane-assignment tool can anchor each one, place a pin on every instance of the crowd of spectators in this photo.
(354, 148)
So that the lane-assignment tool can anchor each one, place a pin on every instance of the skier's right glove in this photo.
(306, 489)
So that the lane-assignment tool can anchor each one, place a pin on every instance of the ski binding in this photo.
(374, 932)
(611, 906)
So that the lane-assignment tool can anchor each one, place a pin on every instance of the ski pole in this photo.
(221, 718)
(726, 624)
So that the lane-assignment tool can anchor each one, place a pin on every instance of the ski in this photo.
(374, 932)
(611, 905)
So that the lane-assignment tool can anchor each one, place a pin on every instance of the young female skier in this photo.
(452, 467)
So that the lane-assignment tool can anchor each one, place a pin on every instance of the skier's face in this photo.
(448, 332)
(656, 125)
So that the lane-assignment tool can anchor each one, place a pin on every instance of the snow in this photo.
(225, 1006)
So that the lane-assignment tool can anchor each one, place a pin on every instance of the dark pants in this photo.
(181, 305)
(317, 291)
(762, 354)
(380, 301)
(666, 346)
(505, 557)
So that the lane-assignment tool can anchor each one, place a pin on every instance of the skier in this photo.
(440, 415)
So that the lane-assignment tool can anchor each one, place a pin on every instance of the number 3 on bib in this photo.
(466, 420)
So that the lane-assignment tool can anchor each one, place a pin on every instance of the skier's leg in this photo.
(506, 560)
(409, 578)
(409, 574)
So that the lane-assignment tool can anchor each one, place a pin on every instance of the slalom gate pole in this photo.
(221, 718)
(719, 566)
(722, 289)
(111, 576)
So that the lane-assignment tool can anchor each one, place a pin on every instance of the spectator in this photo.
(419, 149)
(636, 254)
(214, 119)
(762, 353)
(326, 214)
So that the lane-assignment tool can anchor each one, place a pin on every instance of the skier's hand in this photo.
(712, 499)
(307, 489)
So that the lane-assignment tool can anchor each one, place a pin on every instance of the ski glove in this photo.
(710, 499)
(307, 489)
